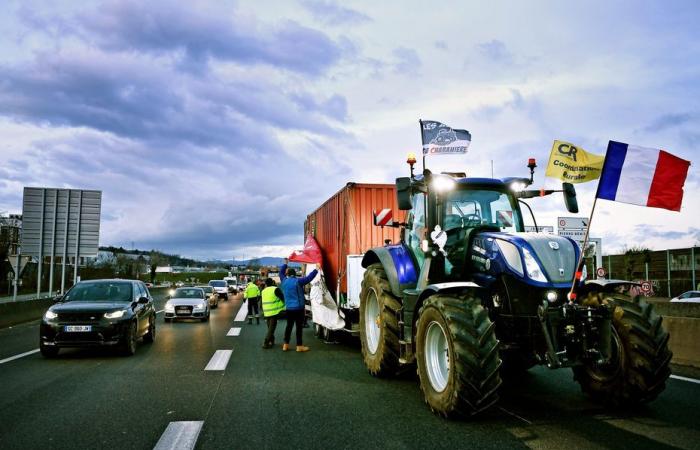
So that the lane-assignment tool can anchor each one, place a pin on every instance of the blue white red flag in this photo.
(642, 176)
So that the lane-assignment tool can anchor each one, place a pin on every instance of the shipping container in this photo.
(343, 226)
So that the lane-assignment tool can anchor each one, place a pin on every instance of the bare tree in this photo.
(157, 259)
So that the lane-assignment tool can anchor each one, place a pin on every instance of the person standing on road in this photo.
(252, 295)
(272, 305)
(293, 292)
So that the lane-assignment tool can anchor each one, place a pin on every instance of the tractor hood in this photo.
(556, 255)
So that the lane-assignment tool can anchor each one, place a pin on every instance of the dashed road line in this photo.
(677, 377)
(242, 313)
(21, 355)
(234, 332)
(180, 435)
(219, 360)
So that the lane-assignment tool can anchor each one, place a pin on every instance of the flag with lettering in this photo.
(439, 139)
(572, 164)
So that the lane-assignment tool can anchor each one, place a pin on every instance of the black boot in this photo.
(257, 319)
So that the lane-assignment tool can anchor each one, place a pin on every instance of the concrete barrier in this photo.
(12, 313)
(682, 321)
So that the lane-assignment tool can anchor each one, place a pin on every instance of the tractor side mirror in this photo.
(570, 197)
(403, 193)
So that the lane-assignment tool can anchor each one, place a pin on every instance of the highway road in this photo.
(163, 397)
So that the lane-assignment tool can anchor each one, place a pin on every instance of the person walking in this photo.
(272, 305)
(293, 292)
(252, 295)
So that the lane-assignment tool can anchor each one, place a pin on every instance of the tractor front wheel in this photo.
(457, 355)
(639, 365)
(379, 325)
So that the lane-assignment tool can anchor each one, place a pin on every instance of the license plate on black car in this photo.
(78, 328)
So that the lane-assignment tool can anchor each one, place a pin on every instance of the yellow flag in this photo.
(573, 164)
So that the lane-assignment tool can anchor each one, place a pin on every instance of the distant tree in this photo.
(157, 259)
(634, 255)
(254, 264)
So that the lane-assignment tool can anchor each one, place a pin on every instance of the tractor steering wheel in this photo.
(471, 220)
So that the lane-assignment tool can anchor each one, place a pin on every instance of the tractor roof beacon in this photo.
(471, 298)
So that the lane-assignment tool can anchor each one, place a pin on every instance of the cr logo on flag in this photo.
(571, 152)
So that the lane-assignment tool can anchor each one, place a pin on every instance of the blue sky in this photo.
(213, 129)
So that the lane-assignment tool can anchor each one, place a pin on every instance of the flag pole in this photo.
(579, 268)
(422, 151)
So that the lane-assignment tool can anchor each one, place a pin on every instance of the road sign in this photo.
(646, 287)
(601, 272)
(572, 223)
(23, 260)
(540, 229)
(576, 235)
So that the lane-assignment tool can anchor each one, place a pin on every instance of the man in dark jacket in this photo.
(293, 292)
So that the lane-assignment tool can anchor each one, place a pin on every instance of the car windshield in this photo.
(231, 282)
(474, 207)
(207, 289)
(217, 283)
(100, 291)
(189, 293)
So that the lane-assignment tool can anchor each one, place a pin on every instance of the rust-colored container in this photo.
(343, 226)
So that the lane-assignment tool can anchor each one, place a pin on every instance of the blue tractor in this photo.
(469, 297)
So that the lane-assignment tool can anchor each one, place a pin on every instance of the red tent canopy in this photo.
(311, 254)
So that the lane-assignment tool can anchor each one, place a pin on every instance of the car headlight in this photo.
(169, 307)
(115, 314)
(534, 271)
(50, 315)
(200, 306)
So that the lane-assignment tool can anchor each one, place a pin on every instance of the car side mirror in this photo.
(403, 193)
(570, 197)
(143, 300)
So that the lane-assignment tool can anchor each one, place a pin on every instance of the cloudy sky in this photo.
(213, 129)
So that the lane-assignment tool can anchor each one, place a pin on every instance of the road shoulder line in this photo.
(21, 355)
(677, 377)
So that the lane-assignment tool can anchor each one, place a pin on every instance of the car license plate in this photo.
(78, 328)
(183, 312)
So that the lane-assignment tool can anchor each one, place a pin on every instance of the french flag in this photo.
(642, 176)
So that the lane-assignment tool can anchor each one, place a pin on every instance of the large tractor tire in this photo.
(457, 355)
(379, 325)
(640, 356)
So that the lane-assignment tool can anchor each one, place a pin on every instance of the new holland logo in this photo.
(554, 245)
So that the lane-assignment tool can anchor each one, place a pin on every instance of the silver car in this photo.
(187, 303)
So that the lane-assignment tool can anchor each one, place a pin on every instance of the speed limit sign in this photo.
(600, 271)
(646, 287)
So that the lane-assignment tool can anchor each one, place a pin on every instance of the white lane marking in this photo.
(21, 355)
(691, 380)
(234, 332)
(242, 313)
(158, 312)
(219, 360)
(180, 435)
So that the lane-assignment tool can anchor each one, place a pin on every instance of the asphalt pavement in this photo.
(163, 397)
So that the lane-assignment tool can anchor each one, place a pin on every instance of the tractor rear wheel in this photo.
(640, 356)
(457, 355)
(379, 325)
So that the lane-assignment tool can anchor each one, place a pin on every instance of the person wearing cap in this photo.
(272, 305)
(292, 289)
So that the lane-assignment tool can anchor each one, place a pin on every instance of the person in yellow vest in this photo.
(252, 295)
(272, 306)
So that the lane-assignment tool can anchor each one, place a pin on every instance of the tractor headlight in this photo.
(552, 296)
(443, 183)
(534, 270)
(511, 255)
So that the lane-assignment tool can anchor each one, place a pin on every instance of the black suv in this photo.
(99, 313)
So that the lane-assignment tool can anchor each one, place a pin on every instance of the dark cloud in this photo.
(496, 51)
(332, 13)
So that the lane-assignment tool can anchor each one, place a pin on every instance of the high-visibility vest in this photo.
(251, 291)
(271, 304)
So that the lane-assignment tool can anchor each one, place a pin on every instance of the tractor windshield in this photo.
(469, 208)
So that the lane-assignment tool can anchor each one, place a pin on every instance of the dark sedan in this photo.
(99, 313)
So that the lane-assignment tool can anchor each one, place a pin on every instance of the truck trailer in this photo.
(344, 229)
